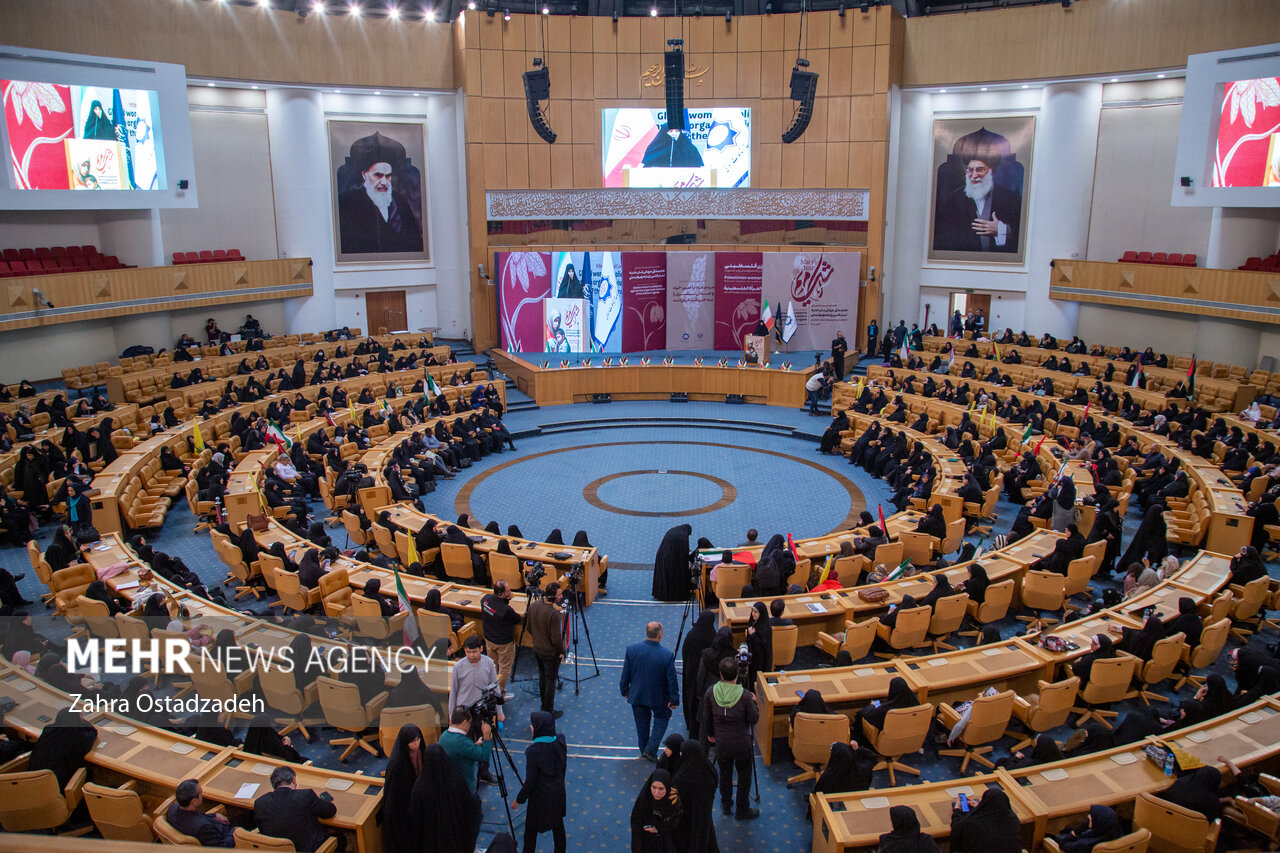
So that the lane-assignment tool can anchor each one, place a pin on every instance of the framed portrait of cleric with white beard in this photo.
(981, 178)
(378, 191)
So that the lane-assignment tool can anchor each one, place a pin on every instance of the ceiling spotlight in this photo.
(840, 11)
(266, 4)
(546, 10)
(318, 7)
(768, 8)
(377, 93)
(354, 10)
(1115, 79)
(653, 11)
(211, 85)
(615, 16)
(864, 7)
(942, 91)
(728, 17)
(984, 88)
(472, 5)
(1025, 86)
(1159, 76)
(394, 12)
(506, 16)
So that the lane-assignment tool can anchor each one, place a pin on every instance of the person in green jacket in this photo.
(466, 753)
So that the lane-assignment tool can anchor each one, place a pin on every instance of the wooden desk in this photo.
(853, 821)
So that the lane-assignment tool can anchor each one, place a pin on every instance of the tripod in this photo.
(578, 619)
(501, 775)
(744, 677)
(693, 602)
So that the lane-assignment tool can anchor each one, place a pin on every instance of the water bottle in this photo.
(1168, 764)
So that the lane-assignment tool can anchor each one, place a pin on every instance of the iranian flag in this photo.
(411, 633)
(281, 440)
(766, 316)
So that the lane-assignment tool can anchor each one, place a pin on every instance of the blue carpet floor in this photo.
(541, 487)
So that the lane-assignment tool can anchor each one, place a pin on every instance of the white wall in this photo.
(233, 171)
(1136, 149)
(29, 229)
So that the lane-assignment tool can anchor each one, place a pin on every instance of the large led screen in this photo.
(1248, 143)
(74, 137)
(640, 151)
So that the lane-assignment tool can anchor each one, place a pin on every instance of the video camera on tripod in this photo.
(575, 574)
(744, 665)
(533, 574)
(485, 709)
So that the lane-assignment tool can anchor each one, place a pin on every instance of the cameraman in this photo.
(467, 684)
(463, 750)
(545, 624)
(499, 619)
(728, 714)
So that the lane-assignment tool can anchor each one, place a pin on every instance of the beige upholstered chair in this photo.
(343, 710)
(904, 732)
(811, 737)
(988, 719)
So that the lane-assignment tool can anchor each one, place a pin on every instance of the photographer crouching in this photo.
(473, 685)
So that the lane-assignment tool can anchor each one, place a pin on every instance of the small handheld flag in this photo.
(883, 527)
(722, 362)
(697, 362)
(624, 361)
(1026, 436)
(1191, 379)
(411, 634)
(1038, 443)
(196, 437)
(668, 361)
(564, 362)
(899, 571)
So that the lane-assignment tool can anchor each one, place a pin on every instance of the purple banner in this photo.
(738, 279)
(644, 300)
(524, 280)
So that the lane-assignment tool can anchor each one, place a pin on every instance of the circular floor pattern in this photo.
(654, 487)
(613, 490)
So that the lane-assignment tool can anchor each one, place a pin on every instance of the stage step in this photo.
(666, 423)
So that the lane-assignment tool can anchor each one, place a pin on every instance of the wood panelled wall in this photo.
(596, 64)
(1092, 37)
(142, 290)
(240, 42)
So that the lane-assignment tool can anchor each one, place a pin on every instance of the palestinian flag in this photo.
(644, 362)
(586, 362)
(668, 361)
(697, 362)
(1191, 379)
(766, 316)
(1026, 435)
(741, 363)
(608, 362)
(883, 526)
(564, 362)
(1137, 377)
(791, 546)
(275, 435)
(411, 634)
(430, 387)
(623, 361)
(722, 362)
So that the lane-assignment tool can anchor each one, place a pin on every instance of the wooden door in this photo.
(983, 301)
(386, 311)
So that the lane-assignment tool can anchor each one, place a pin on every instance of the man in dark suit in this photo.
(287, 812)
(980, 216)
(186, 814)
(649, 684)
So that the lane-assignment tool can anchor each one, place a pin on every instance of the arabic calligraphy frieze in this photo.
(654, 75)
(613, 203)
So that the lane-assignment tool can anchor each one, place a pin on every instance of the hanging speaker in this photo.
(673, 66)
(804, 85)
(537, 87)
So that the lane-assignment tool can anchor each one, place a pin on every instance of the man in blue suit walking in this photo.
(649, 684)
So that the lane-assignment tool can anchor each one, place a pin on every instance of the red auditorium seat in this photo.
(113, 263)
(43, 252)
(75, 251)
(1159, 258)
(1188, 260)
(179, 258)
(1175, 258)
(193, 258)
(59, 251)
(12, 255)
(220, 255)
(1144, 257)
(97, 262)
(206, 256)
(5, 272)
(1269, 265)
(1251, 264)
(65, 264)
(27, 254)
(1129, 257)
(234, 255)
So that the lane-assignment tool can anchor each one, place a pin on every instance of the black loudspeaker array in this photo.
(804, 85)
(537, 87)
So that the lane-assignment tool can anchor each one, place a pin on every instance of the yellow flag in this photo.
(352, 407)
(298, 428)
(412, 556)
(996, 347)
(197, 437)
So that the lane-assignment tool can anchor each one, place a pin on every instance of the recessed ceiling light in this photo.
(942, 91)
(394, 13)
(318, 7)
(984, 88)
(266, 4)
(337, 91)
(1025, 86)
(1115, 79)
(1159, 76)
(354, 9)
(472, 5)
(211, 85)
(254, 86)
(417, 94)
(377, 93)
(653, 12)
(546, 11)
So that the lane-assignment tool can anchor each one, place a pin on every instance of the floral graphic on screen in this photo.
(1248, 134)
(525, 279)
(38, 117)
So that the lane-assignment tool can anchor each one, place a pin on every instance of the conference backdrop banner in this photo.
(615, 302)
(644, 301)
(690, 300)
(524, 281)
(982, 172)
(820, 287)
(378, 191)
(738, 280)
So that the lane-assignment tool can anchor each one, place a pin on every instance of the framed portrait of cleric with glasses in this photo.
(981, 178)
(378, 191)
